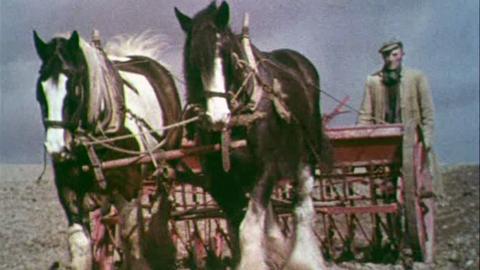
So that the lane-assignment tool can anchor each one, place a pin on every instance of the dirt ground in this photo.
(33, 227)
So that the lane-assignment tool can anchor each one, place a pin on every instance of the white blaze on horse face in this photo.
(55, 93)
(217, 107)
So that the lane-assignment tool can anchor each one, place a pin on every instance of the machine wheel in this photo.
(419, 202)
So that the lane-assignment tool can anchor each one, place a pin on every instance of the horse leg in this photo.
(159, 248)
(130, 232)
(306, 253)
(277, 244)
(126, 192)
(252, 228)
(252, 238)
(146, 239)
(79, 242)
(80, 248)
(233, 229)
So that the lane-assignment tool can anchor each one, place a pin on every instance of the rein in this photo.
(261, 89)
(89, 139)
(271, 91)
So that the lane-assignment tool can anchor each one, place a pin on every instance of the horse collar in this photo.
(106, 104)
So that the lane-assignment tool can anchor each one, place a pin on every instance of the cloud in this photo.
(339, 36)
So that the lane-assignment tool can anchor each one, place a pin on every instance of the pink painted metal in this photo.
(335, 210)
(165, 155)
(364, 145)
(335, 112)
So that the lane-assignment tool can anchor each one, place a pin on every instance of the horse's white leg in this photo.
(252, 230)
(80, 248)
(277, 243)
(306, 250)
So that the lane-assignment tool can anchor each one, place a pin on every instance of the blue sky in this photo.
(341, 37)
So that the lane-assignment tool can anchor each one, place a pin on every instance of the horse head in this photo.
(208, 61)
(74, 92)
(60, 93)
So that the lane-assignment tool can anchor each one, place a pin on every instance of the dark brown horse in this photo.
(284, 136)
(85, 98)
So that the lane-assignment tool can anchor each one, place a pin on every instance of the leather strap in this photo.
(97, 168)
(210, 94)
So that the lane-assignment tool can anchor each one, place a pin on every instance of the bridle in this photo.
(231, 96)
(74, 83)
(58, 124)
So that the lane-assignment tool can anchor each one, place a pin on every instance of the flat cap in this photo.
(390, 45)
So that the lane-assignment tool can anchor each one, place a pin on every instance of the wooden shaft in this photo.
(166, 155)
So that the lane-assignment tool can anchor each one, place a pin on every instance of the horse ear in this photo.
(223, 15)
(184, 20)
(74, 41)
(212, 5)
(40, 46)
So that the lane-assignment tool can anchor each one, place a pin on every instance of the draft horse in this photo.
(284, 137)
(86, 98)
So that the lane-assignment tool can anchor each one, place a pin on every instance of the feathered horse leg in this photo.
(306, 253)
(253, 227)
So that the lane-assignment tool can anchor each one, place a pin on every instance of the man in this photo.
(397, 94)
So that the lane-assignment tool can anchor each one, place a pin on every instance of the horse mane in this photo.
(147, 44)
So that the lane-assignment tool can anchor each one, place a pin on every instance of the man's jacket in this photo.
(415, 102)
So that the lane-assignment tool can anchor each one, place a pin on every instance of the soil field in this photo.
(33, 227)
